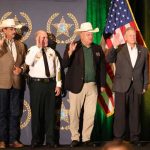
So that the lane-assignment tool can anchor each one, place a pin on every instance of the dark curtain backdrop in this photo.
(141, 11)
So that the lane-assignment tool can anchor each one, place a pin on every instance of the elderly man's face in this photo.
(9, 33)
(130, 37)
(42, 39)
(86, 38)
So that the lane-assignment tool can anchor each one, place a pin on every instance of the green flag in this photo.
(96, 14)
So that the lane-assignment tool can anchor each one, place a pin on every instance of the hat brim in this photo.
(19, 26)
(77, 31)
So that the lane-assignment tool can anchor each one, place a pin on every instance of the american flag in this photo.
(120, 17)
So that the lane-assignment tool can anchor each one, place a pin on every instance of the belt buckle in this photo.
(46, 80)
(38, 79)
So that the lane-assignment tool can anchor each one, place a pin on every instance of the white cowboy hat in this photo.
(9, 23)
(86, 26)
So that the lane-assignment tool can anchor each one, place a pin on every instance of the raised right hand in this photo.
(116, 40)
(72, 47)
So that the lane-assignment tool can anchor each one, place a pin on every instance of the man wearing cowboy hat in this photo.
(12, 57)
(86, 76)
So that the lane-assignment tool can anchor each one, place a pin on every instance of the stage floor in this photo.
(146, 146)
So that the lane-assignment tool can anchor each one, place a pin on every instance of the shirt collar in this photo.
(129, 47)
(9, 41)
(85, 46)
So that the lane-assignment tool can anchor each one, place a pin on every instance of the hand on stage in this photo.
(57, 91)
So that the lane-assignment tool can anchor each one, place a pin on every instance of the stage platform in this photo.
(146, 146)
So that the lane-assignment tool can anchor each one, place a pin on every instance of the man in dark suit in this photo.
(130, 82)
(85, 77)
(12, 57)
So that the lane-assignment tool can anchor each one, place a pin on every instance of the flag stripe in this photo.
(109, 43)
(110, 94)
(103, 104)
(109, 71)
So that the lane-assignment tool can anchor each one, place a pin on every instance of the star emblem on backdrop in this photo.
(62, 27)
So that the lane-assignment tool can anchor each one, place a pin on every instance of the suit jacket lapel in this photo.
(19, 56)
(80, 53)
(127, 55)
(138, 57)
(94, 55)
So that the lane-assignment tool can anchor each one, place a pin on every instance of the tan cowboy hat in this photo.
(86, 26)
(9, 23)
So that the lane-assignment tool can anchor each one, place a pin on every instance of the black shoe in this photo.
(74, 143)
(34, 145)
(137, 143)
(89, 143)
(52, 145)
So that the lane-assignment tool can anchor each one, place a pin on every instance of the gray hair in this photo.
(129, 29)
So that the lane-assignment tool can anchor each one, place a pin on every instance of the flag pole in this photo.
(135, 22)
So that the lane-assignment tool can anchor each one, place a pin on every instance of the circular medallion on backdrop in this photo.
(23, 33)
(63, 27)
(26, 116)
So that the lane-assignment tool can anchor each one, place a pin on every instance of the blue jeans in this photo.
(10, 113)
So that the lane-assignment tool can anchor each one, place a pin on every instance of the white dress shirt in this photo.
(12, 48)
(35, 61)
(133, 52)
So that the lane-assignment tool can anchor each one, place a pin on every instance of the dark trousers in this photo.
(10, 113)
(42, 99)
(127, 115)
